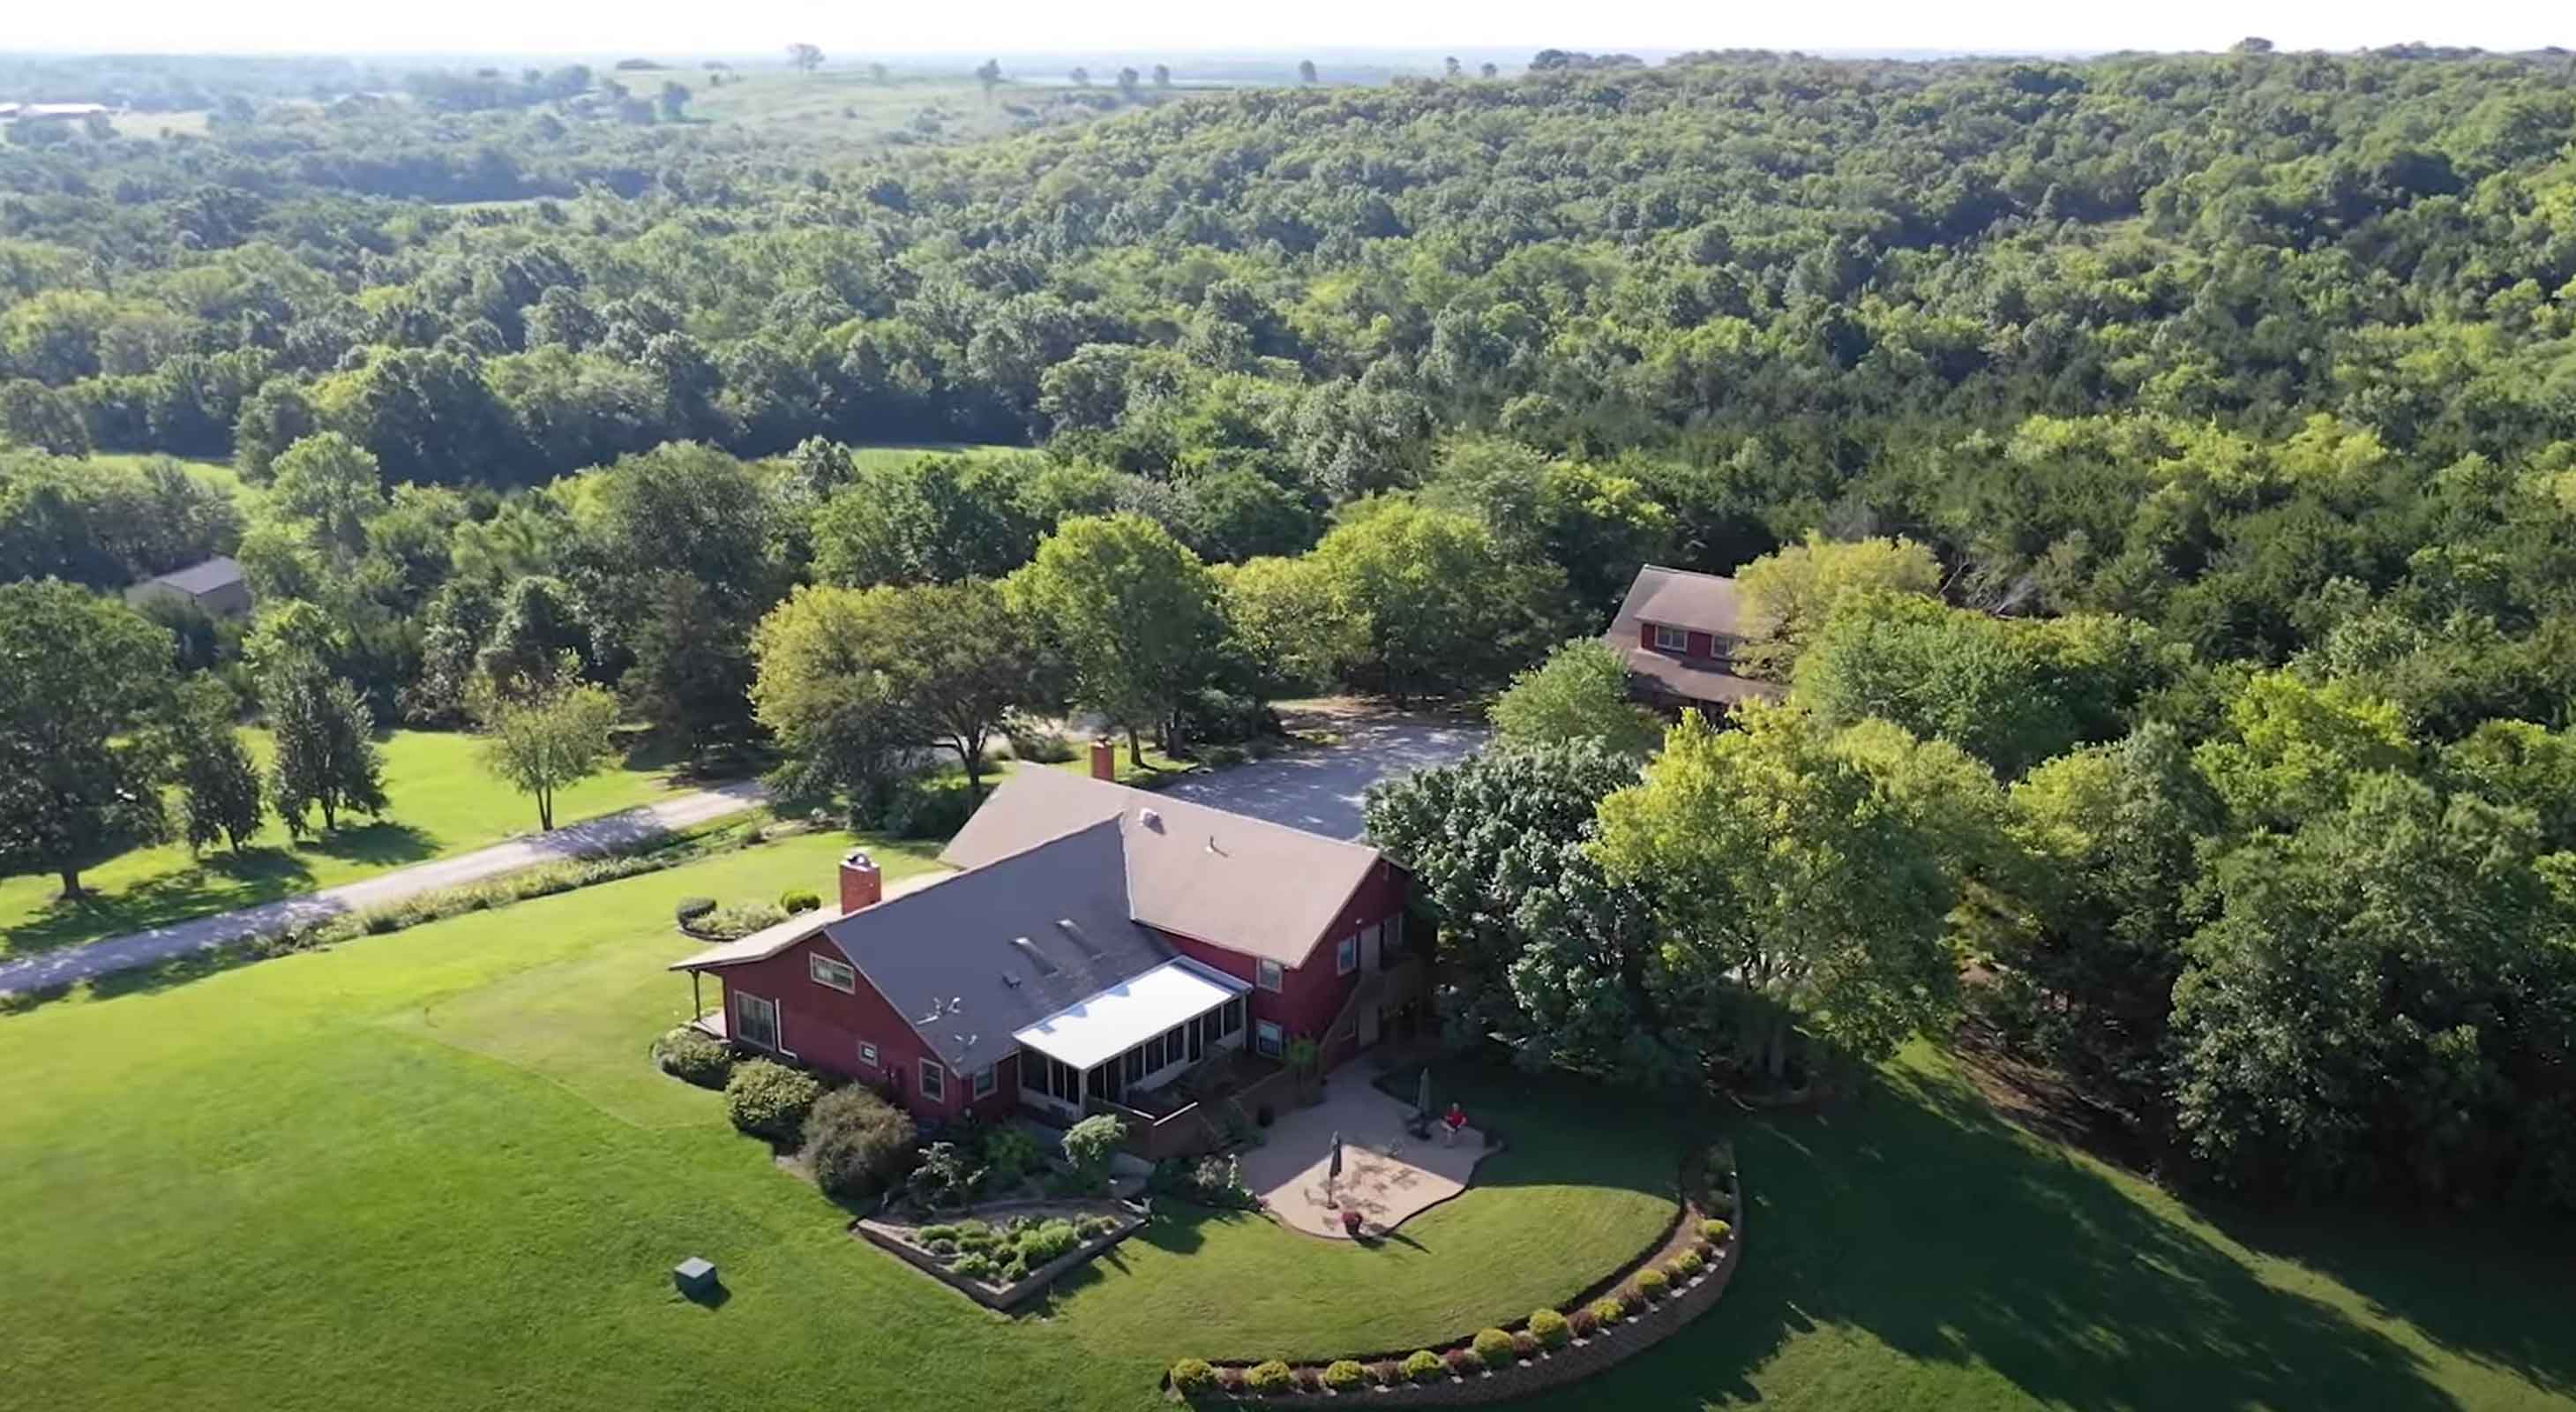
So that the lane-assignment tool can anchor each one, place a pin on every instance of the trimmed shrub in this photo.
(1094, 1227)
(770, 1100)
(800, 899)
(1048, 1242)
(1345, 1376)
(1608, 1310)
(1038, 743)
(1014, 1270)
(974, 1264)
(1493, 1345)
(1714, 1232)
(1654, 1284)
(1687, 1264)
(686, 1053)
(1583, 1323)
(1422, 1365)
(927, 1234)
(1463, 1362)
(1549, 1328)
(1524, 1347)
(942, 1246)
(734, 923)
(1087, 1145)
(858, 1144)
(1270, 1377)
(1192, 1375)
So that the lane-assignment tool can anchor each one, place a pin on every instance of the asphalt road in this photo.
(68, 964)
(1319, 790)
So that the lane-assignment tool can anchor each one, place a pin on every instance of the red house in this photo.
(1677, 630)
(1095, 945)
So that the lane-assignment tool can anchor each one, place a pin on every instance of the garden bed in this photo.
(1651, 1298)
(1000, 1234)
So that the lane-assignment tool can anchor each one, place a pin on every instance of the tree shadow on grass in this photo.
(1916, 1218)
(383, 843)
(2496, 1289)
(219, 882)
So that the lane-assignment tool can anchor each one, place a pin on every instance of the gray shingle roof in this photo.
(1696, 602)
(997, 949)
(1242, 883)
(200, 579)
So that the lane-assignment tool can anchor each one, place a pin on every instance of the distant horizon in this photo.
(464, 29)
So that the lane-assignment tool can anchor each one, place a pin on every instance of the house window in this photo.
(836, 974)
(1346, 956)
(1272, 977)
(1153, 1054)
(984, 1081)
(868, 1054)
(755, 1021)
(1671, 639)
(1135, 1064)
(934, 1081)
(1390, 947)
(1233, 1015)
(1267, 1038)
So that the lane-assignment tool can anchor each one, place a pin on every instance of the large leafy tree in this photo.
(326, 751)
(1435, 603)
(1131, 611)
(2086, 965)
(2385, 1002)
(219, 789)
(1537, 944)
(1784, 598)
(1579, 693)
(1802, 886)
(543, 734)
(79, 677)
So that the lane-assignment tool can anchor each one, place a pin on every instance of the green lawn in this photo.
(443, 803)
(433, 1169)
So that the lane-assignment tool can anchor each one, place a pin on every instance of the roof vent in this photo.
(1074, 933)
(1011, 979)
(1036, 957)
(1150, 819)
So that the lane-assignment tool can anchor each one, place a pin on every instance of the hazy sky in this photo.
(1182, 26)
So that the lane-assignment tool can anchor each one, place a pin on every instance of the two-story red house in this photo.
(1096, 943)
(1677, 630)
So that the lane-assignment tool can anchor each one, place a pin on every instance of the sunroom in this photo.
(1131, 1038)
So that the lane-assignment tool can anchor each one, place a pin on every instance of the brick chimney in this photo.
(861, 884)
(1104, 760)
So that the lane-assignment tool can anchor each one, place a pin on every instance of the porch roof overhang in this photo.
(1109, 1022)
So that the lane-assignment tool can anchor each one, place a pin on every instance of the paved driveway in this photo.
(1318, 789)
(47, 969)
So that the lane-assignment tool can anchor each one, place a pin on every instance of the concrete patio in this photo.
(1387, 1174)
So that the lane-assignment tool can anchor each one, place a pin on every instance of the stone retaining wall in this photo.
(1131, 1219)
(1640, 1330)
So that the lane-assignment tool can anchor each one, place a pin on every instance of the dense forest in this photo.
(2162, 469)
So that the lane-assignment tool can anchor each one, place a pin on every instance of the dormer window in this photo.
(1671, 639)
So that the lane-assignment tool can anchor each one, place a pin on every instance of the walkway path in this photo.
(604, 834)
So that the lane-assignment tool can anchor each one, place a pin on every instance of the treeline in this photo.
(2157, 476)
(2280, 929)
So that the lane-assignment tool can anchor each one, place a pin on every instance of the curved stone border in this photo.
(1642, 1328)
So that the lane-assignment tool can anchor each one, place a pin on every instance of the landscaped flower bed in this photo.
(1647, 1301)
(1001, 1253)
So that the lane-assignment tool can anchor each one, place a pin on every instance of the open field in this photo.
(435, 1168)
(847, 106)
(443, 802)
